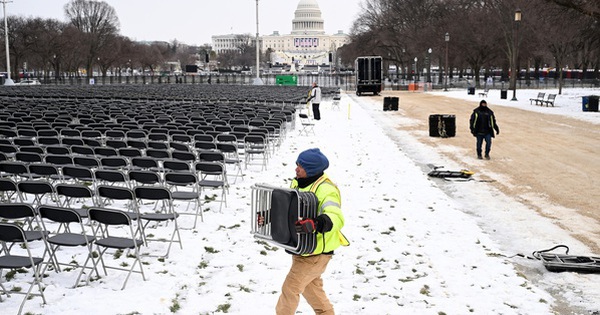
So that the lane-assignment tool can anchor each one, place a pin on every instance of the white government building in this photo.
(306, 45)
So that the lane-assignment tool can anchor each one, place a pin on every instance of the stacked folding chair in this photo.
(275, 212)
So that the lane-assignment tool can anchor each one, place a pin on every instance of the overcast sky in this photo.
(195, 21)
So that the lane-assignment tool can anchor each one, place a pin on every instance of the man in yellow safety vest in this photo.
(304, 276)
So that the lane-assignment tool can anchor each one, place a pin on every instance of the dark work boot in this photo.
(487, 156)
(479, 157)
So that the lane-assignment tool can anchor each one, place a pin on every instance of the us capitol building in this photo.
(306, 45)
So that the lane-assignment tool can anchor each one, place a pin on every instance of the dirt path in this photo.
(549, 162)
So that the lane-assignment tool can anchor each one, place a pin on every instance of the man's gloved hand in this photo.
(305, 226)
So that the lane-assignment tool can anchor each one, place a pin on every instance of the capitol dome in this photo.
(307, 18)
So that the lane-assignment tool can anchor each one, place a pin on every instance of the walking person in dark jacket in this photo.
(482, 124)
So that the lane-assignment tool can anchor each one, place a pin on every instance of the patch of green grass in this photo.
(240, 267)
(118, 254)
(425, 290)
(210, 250)
(356, 297)
(224, 308)
(175, 304)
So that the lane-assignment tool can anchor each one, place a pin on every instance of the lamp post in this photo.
(257, 80)
(429, 65)
(404, 67)
(447, 39)
(513, 75)
(416, 71)
(8, 80)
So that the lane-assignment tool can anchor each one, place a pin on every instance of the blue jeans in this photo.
(488, 143)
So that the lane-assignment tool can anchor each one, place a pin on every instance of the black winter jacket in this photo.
(483, 121)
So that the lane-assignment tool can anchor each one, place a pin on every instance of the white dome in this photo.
(307, 18)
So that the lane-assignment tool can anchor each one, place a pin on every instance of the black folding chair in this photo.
(11, 234)
(212, 175)
(163, 212)
(66, 235)
(109, 235)
(184, 187)
(23, 214)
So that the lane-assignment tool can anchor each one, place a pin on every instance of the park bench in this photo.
(550, 100)
(539, 99)
(484, 93)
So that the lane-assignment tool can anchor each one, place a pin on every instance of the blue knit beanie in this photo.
(313, 161)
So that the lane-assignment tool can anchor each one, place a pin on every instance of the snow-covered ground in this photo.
(418, 246)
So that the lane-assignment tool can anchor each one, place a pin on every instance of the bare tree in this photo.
(97, 21)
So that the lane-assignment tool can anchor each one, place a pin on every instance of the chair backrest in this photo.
(78, 172)
(59, 159)
(8, 148)
(11, 233)
(204, 137)
(113, 176)
(109, 216)
(159, 154)
(209, 167)
(116, 144)
(58, 149)
(130, 152)
(144, 162)
(152, 193)
(205, 145)
(137, 144)
(7, 184)
(158, 136)
(59, 214)
(183, 156)
(105, 151)
(82, 150)
(176, 165)
(178, 146)
(15, 168)
(72, 141)
(227, 147)
(180, 178)
(43, 169)
(144, 177)
(86, 162)
(115, 192)
(158, 145)
(114, 162)
(74, 191)
(136, 134)
(16, 210)
(226, 138)
(32, 149)
(35, 187)
(28, 157)
(214, 156)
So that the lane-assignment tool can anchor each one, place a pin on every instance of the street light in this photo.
(513, 75)
(8, 80)
(416, 71)
(429, 65)
(447, 39)
(257, 80)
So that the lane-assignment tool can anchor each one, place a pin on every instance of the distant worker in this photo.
(482, 125)
(314, 96)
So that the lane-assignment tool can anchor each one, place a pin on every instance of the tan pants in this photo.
(305, 278)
